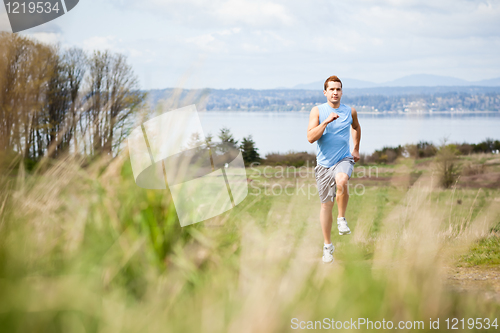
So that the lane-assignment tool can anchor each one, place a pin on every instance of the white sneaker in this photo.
(342, 225)
(328, 254)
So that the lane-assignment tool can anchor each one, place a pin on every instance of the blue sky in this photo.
(266, 44)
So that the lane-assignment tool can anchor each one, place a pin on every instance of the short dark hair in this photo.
(333, 78)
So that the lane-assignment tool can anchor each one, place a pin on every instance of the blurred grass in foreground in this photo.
(86, 250)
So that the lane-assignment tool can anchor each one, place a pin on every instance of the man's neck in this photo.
(334, 105)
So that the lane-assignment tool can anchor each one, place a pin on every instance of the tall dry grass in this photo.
(83, 249)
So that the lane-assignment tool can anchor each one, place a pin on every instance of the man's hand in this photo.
(355, 154)
(331, 117)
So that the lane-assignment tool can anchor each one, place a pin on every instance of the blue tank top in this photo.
(333, 145)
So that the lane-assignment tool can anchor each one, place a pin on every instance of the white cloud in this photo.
(253, 13)
(136, 53)
(100, 43)
(201, 41)
(47, 37)
(229, 31)
(445, 19)
(118, 45)
(254, 48)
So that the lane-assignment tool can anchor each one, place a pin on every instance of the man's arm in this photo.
(356, 134)
(315, 129)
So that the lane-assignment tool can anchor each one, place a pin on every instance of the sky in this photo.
(264, 44)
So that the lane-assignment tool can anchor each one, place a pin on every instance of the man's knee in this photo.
(327, 205)
(341, 179)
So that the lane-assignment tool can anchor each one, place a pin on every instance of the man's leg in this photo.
(325, 217)
(342, 192)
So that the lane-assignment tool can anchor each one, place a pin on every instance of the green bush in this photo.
(447, 165)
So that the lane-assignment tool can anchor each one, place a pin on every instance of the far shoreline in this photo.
(445, 112)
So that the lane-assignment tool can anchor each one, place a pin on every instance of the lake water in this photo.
(285, 131)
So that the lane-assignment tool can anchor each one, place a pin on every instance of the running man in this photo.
(329, 124)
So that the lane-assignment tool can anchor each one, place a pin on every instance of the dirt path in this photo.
(482, 280)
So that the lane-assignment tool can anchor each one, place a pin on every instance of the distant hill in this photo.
(489, 83)
(416, 80)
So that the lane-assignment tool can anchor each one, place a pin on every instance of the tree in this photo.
(249, 151)
(226, 136)
(227, 141)
(113, 96)
(209, 140)
(76, 64)
(57, 99)
(25, 69)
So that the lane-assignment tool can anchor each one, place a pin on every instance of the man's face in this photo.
(333, 92)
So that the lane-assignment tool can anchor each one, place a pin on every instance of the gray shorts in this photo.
(325, 177)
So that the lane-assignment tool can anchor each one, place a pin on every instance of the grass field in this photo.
(86, 250)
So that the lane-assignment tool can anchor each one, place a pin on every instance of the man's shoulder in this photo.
(348, 107)
(317, 107)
